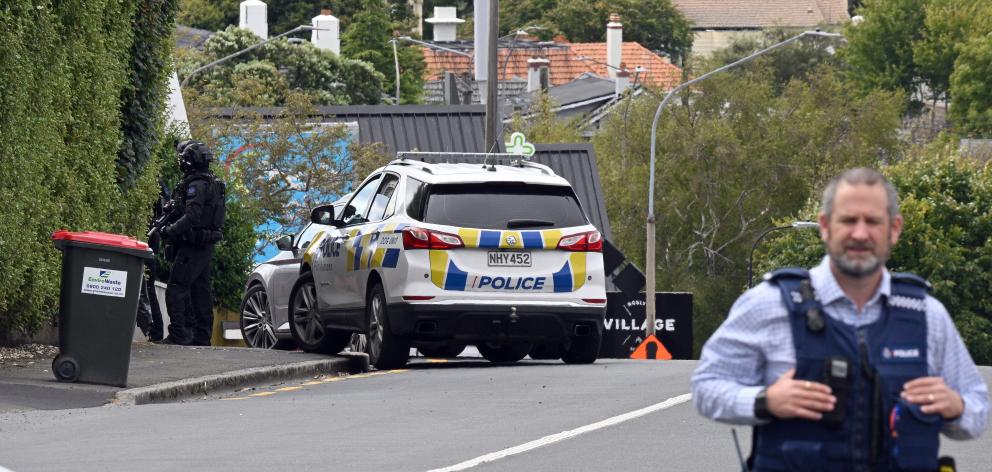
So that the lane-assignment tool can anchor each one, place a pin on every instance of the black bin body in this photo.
(101, 281)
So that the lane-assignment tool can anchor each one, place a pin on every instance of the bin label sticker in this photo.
(106, 282)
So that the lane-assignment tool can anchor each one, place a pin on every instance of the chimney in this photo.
(329, 39)
(622, 80)
(445, 23)
(450, 88)
(253, 18)
(614, 44)
(537, 74)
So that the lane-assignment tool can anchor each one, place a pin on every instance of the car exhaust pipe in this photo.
(428, 326)
(582, 330)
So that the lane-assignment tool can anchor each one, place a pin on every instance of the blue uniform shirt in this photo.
(754, 347)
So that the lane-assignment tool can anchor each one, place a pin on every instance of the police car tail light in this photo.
(418, 238)
(591, 241)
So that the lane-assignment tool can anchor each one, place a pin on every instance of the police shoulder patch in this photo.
(191, 191)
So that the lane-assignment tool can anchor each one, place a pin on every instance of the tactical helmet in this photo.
(193, 155)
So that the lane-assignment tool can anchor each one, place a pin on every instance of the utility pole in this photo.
(492, 83)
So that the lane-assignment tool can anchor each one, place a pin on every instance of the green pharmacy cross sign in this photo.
(518, 145)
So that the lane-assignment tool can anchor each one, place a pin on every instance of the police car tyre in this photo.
(546, 351)
(385, 349)
(66, 369)
(583, 349)
(305, 325)
(441, 349)
(504, 352)
(256, 321)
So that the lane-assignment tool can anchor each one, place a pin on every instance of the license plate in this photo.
(509, 259)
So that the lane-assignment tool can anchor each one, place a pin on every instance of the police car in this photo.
(263, 321)
(499, 256)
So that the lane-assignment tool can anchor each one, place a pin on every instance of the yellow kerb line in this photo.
(262, 394)
(288, 389)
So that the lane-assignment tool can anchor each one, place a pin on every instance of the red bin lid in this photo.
(103, 239)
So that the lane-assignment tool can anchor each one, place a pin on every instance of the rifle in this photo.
(170, 213)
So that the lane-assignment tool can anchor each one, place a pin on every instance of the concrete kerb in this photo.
(200, 386)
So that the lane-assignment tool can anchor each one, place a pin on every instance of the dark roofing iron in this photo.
(435, 128)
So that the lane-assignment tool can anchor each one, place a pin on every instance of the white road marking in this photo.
(553, 438)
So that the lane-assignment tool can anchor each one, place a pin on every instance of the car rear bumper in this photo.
(470, 323)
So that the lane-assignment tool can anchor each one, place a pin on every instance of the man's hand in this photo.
(935, 396)
(789, 398)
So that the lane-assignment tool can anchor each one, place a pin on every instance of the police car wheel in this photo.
(257, 329)
(504, 352)
(583, 349)
(385, 349)
(305, 324)
(546, 351)
(440, 349)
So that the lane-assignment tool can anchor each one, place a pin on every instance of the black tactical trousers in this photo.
(188, 296)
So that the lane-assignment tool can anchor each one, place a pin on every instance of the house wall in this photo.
(705, 42)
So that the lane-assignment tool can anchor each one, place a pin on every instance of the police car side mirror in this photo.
(285, 243)
(323, 215)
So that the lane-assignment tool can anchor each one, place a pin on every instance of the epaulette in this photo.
(786, 273)
(912, 279)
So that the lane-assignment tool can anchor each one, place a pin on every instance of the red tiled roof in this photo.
(762, 13)
(565, 63)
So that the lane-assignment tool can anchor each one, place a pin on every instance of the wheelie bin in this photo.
(101, 281)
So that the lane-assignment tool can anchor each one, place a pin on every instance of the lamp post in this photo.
(649, 259)
(249, 48)
(750, 257)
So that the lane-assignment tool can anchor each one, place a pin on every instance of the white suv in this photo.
(444, 255)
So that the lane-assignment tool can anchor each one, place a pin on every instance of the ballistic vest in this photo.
(878, 431)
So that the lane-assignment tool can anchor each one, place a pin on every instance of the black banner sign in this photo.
(623, 328)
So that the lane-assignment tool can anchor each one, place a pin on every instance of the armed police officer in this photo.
(846, 366)
(191, 228)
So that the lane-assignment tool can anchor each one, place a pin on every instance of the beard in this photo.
(859, 267)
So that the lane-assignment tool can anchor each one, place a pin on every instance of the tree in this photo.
(880, 49)
(283, 15)
(544, 126)
(265, 75)
(283, 166)
(655, 24)
(946, 202)
(971, 92)
(797, 61)
(732, 157)
(367, 39)
(948, 25)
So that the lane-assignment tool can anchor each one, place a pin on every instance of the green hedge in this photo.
(63, 68)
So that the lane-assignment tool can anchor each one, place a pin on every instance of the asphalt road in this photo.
(458, 415)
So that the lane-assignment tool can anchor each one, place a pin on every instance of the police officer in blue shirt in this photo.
(845, 366)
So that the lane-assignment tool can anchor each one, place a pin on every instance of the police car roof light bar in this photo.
(484, 155)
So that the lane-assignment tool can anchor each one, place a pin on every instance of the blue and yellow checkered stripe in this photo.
(494, 239)
(363, 255)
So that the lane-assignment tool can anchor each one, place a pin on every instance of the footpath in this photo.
(167, 373)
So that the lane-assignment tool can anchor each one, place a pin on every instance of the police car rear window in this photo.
(503, 206)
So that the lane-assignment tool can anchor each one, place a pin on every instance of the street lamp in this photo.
(249, 48)
(750, 257)
(649, 259)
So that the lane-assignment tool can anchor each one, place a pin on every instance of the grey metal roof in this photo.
(435, 128)
(577, 164)
(574, 162)
(193, 38)
(585, 87)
